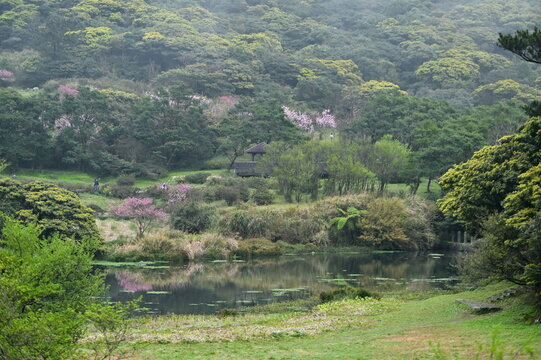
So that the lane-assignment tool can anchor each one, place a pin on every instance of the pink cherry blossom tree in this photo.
(326, 119)
(6, 75)
(141, 211)
(308, 123)
(67, 90)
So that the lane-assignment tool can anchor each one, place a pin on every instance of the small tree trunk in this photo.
(232, 162)
(428, 185)
(415, 185)
(314, 194)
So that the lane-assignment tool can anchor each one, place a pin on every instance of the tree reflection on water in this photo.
(206, 287)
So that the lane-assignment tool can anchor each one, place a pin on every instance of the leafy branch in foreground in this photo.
(113, 328)
(3, 165)
(524, 43)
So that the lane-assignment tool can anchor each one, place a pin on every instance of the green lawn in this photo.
(56, 176)
(77, 177)
(434, 328)
(435, 189)
(103, 202)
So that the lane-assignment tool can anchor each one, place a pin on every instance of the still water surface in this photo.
(204, 288)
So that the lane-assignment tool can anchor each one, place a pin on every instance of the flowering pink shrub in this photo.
(176, 195)
(6, 75)
(67, 90)
(309, 124)
(141, 211)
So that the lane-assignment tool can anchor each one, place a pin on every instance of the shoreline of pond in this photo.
(207, 287)
(389, 328)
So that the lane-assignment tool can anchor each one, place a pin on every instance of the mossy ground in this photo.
(433, 328)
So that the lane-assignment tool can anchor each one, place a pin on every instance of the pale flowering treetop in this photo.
(140, 210)
(326, 119)
(302, 120)
(62, 122)
(308, 123)
(6, 75)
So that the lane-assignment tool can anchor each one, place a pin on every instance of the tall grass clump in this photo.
(175, 246)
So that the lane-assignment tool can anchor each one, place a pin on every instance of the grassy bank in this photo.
(433, 328)
(390, 329)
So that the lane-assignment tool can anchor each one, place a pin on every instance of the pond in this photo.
(204, 288)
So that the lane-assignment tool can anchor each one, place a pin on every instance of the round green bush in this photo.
(193, 217)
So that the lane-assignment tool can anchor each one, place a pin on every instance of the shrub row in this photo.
(391, 223)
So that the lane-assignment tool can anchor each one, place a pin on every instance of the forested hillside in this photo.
(131, 114)
(122, 86)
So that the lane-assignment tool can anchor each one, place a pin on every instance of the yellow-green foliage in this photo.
(307, 74)
(153, 35)
(94, 37)
(18, 16)
(278, 19)
(383, 226)
(198, 15)
(374, 87)
(251, 43)
(525, 203)
(448, 70)
(505, 89)
(119, 95)
(346, 69)
(54, 209)
(503, 179)
(459, 64)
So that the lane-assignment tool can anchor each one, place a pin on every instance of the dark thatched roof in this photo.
(257, 149)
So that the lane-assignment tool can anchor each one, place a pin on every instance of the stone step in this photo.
(479, 306)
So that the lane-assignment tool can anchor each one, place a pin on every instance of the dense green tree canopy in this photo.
(479, 186)
(214, 47)
(143, 87)
(502, 180)
(54, 210)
